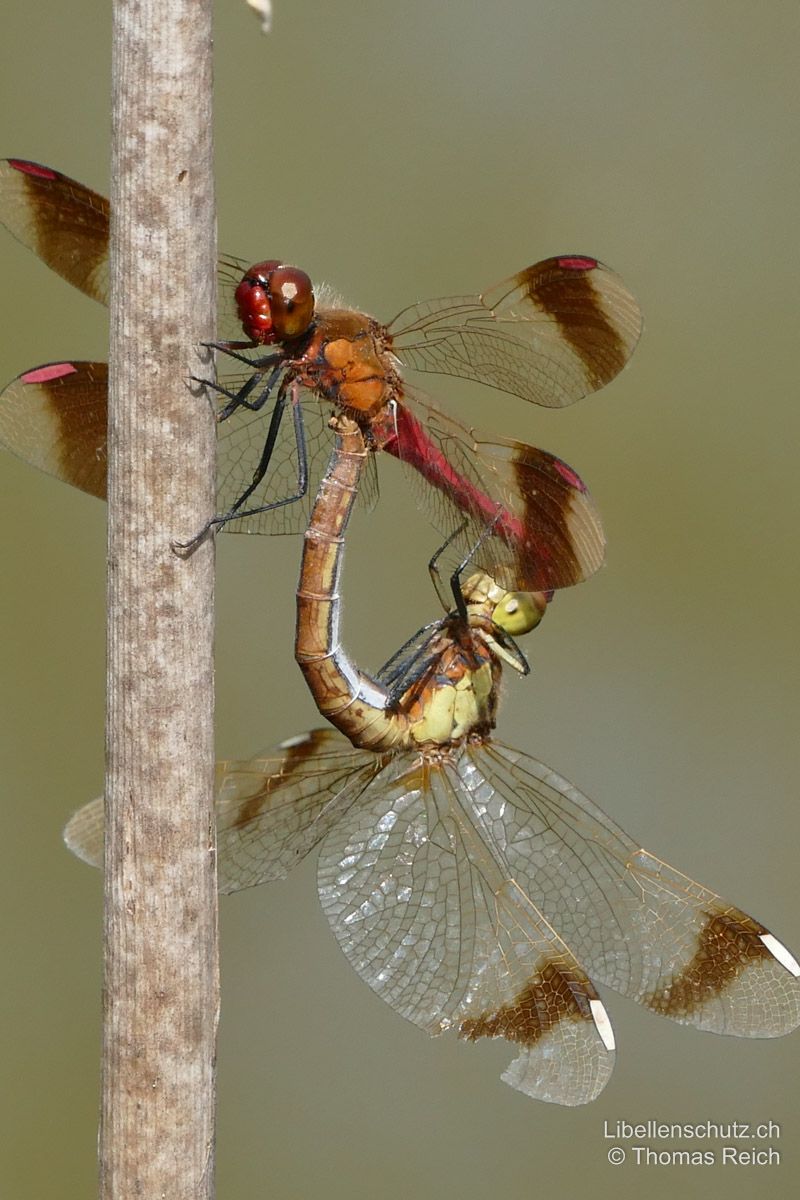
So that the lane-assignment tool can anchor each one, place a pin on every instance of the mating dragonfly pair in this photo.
(470, 885)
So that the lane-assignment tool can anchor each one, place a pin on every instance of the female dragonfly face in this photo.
(550, 334)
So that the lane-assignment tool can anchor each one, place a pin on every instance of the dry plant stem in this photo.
(161, 969)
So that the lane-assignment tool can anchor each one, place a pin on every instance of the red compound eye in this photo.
(292, 298)
(275, 302)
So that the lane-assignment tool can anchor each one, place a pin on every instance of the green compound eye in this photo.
(519, 612)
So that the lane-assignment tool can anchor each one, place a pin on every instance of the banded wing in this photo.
(55, 417)
(634, 922)
(555, 332)
(484, 891)
(539, 525)
(271, 810)
(546, 534)
(424, 908)
(66, 225)
(60, 220)
(460, 943)
(552, 333)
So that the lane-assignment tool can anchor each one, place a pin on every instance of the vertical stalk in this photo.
(160, 957)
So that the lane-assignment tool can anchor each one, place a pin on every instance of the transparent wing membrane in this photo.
(551, 334)
(479, 890)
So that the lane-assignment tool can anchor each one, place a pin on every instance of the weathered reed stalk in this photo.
(161, 969)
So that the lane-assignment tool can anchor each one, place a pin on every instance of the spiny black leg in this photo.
(230, 349)
(235, 398)
(235, 511)
(300, 441)
(455, 578)
(266, 454)
(260, 472)
(433, 568)
(458, 596)
(405, 684)
(239, 400)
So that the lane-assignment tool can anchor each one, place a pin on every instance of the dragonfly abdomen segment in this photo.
(453, 697)
(350, 699)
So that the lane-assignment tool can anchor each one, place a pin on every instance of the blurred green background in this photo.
(401, 151)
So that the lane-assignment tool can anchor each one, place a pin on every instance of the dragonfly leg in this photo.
(239, 399)
(236, 510)
(433, 571)
(455, 578)
(302, 461)
(410, 679)
(231, 349)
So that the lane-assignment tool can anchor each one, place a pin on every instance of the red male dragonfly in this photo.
(551, 334)
(467, 883)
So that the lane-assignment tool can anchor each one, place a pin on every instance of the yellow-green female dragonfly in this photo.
(470, 885)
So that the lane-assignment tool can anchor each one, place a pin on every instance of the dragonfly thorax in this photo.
(459, 701)
(346, 361)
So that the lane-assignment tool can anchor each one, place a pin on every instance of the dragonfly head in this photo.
(515, 613)
(275, 302)
(519, 612)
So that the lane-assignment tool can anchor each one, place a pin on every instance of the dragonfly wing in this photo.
(271, 810)
(369, 492)
(426, 913)
(66, 225)
(411, 661)
(531, 990)
(634, 922)
(545, 531)
(55, 417)
(63, 222)
(555, 332)
(84, 833)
